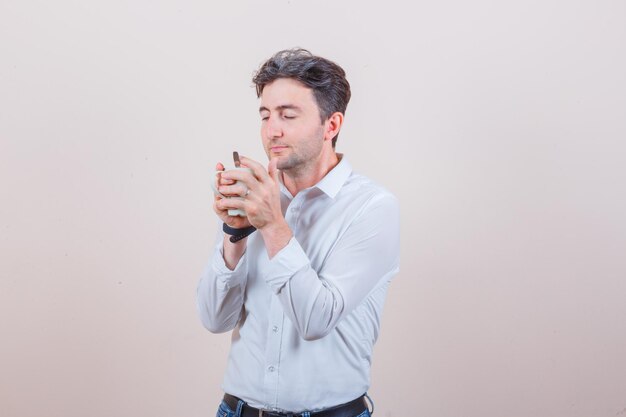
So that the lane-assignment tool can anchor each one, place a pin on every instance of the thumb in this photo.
(272, 169)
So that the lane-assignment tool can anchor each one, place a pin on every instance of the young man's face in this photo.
(291, 127)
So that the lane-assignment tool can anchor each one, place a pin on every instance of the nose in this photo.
(273, 128)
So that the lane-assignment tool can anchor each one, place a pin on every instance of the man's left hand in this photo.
(261, 200)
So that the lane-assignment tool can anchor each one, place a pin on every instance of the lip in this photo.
(278, 148)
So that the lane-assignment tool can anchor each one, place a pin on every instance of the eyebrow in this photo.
(281, 107)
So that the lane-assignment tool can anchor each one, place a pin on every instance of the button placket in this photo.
(293, 212)
(272, 352)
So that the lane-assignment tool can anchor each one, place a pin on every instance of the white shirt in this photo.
(305, 322)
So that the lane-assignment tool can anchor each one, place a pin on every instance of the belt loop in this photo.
(240, 404)
(371, 402)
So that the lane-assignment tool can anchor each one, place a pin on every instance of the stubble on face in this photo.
(295, 137)
(303, 154)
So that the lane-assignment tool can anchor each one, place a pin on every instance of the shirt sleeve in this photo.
(220, 292)
(364, 256)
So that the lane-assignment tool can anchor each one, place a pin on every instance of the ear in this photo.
(333, 125)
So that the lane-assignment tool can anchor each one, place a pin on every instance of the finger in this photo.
(216, 202)
(219, 206)
(219, 167)
(225, 181)
(222, 181)
(238, 178)
(241, 177)
(230, 203)
(221, 213)
(239, 189)
(272, 169)
(258, 169)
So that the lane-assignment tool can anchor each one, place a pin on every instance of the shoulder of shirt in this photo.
(368, 189)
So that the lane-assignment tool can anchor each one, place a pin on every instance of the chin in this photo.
(280, 161)
(284, 164)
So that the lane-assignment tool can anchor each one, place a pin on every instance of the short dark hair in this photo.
(327, 79)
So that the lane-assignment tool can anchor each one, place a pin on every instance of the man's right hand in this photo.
(232, 251)
(237, 222)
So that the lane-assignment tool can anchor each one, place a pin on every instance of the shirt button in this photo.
(294, 209)
(275, 329)
(271, 369)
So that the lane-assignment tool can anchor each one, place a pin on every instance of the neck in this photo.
(296, 181)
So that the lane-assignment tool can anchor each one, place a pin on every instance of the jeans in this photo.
(225, 411)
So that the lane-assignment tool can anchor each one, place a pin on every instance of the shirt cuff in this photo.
(226, 277)
(285, 264)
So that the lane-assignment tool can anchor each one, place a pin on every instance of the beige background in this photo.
(500, 126)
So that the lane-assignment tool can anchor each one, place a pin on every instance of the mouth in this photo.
(278, 148)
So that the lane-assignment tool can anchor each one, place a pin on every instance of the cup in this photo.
(231, 212)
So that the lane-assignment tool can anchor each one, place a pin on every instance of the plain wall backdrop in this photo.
(499, 125)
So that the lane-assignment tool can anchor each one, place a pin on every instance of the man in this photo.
(304, 293)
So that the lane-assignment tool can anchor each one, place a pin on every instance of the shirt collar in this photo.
(336, 178)
(332, 182)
